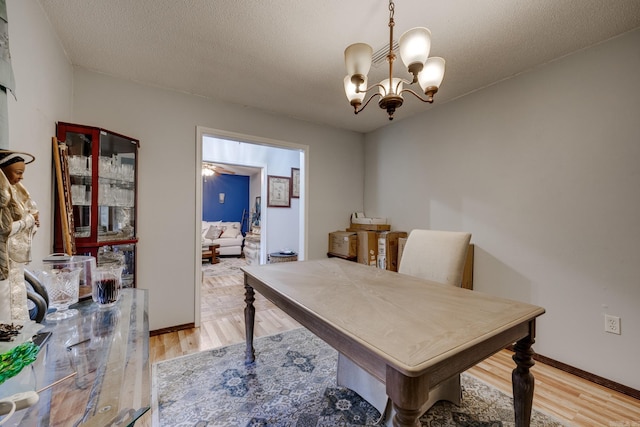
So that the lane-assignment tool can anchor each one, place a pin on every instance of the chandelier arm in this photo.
(429, 100)
(357, 110)
(371, 87)
(400, 81)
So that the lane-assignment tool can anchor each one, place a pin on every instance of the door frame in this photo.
(303, 231)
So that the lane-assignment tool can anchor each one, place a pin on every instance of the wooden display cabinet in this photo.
(103, 171)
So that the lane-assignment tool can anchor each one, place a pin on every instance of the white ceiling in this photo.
(286, 56)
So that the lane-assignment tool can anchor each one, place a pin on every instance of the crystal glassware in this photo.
(106, 285)
(63, 287)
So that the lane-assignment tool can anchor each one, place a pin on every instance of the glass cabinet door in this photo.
(116, 188)
(80, 172)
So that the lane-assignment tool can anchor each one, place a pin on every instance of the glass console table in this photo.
(99, 360)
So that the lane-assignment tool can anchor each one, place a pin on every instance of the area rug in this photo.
(226, 267)
(292, 383)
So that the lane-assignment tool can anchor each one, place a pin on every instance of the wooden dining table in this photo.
(409, 333)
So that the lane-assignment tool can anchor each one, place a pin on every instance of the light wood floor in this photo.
(574, 401)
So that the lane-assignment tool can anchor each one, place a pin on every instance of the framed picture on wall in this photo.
(279, 188)
(295, 183)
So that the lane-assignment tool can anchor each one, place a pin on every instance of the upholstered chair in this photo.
(428, 254)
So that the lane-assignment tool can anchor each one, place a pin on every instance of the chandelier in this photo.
(414, 51)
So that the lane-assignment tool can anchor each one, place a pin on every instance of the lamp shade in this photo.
(432, 74)
(350, 90)
(357, 58)
(415, 45)
(395, 89)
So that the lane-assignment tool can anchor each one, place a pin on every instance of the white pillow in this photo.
(213, 233)
(230, 232)
(206, 225)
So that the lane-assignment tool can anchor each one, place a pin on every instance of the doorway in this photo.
(271, 158)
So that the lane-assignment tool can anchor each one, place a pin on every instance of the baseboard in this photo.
(172, 329)
(596, 379)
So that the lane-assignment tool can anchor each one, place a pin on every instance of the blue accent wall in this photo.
(236, 190)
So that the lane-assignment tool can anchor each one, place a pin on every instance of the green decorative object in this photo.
(12, 362)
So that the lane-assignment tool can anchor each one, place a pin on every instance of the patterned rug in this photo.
(292, 384)
(225, 267)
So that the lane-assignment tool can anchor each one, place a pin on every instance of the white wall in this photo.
(43, 90)
(165, 123)
(544, 170)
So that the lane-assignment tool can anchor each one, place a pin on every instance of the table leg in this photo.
(249, 317)
(408, 394)
(523, 382)
(406, 417)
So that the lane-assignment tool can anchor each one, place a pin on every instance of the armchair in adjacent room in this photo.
(432, 255)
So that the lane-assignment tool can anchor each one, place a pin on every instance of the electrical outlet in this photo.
(612, 324)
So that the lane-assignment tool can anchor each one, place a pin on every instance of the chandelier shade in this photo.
(431, 76)
(414, 47)
(394, 89)
(353, 95)
(357, 57)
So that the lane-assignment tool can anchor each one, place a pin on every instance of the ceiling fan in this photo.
(209, 169)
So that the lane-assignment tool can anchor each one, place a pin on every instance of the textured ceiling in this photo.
(286, 56)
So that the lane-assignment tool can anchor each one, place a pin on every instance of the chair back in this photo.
(37, 295)
(435, 255)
